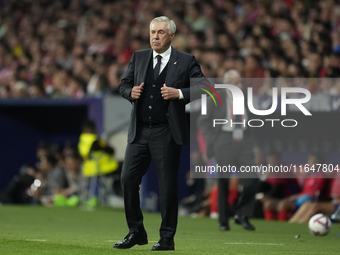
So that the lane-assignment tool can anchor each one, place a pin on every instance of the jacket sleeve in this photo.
(127, 83)
(194, 71)
(204, 122)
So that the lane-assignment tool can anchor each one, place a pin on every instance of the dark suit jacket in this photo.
(181, 67)
(205, 122)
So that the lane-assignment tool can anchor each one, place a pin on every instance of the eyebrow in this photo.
(161, 30)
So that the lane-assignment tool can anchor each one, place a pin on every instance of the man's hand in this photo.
(137, 91)
(169, 93)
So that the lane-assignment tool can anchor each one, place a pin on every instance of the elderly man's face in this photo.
(236, 80)
(160, 38)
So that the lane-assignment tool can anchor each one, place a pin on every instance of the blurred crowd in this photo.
(78, 48)
(68, 174)
(56, 174)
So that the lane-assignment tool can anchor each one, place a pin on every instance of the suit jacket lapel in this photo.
(172, 65)
(224, 106)
(144, 65)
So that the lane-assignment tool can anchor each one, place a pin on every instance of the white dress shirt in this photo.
(164, 60)
(229, 104)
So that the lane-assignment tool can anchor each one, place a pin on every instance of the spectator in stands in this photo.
(19, 90)
(42, 149)
(253, 69)
(35, 91)
(314, 64)
(69, 149)
(74, 176)
(16, 192)
(114, 76)
(52, 180)
(75, 88)
(195, 19)
(4, 92)
(56, 151)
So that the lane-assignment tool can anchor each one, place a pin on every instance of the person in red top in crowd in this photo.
(312, 188)
(253, 69)
(308, 209)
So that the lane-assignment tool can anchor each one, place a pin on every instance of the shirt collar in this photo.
(165, 54)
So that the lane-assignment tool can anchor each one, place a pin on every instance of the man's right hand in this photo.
(137, 91)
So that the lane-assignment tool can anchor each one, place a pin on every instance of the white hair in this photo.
(229, 73)
(169, 22)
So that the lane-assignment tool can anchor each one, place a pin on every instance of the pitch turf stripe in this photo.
(36, 240)
(114, 241)
(258, 243)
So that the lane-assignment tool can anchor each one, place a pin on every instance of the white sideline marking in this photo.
(114, 241)
(36, 240)
(258, 243)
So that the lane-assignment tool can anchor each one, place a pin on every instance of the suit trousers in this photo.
(152, 142)
(235, 153)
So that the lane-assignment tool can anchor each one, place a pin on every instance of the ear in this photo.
(172, 36)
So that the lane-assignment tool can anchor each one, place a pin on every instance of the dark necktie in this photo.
(238, 128)
(157, 67)
(238, 119)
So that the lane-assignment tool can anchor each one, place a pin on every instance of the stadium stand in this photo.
(80, 48)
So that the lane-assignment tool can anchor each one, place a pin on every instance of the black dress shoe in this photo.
(224, 227)
(243, 221)
(164, 244)
(132, 239)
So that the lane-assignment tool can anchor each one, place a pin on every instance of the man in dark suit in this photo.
(231, 145)
(157, 83)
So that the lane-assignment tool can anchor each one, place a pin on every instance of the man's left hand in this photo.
(169, 93)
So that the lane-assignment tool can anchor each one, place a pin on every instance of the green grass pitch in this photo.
(48, 230)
